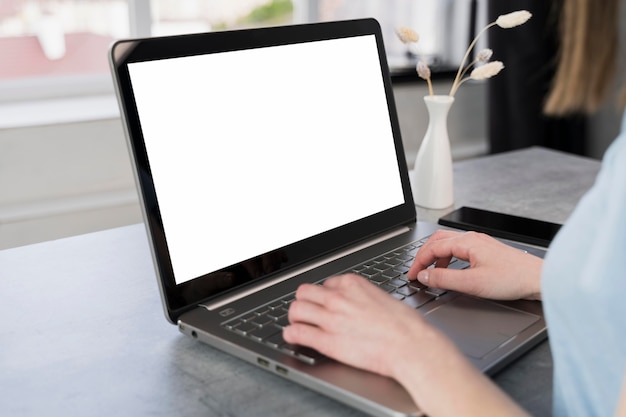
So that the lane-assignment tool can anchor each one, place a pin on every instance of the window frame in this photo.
(75, 85)
(72, 88)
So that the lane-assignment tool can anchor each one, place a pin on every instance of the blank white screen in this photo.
(253, 150)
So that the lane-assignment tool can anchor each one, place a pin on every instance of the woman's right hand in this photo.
(497, 271)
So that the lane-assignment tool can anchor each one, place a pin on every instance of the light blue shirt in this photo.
(584, 295)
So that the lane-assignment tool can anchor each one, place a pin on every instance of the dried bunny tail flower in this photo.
(513, 19)
(407, 35)
(424, 72)
(484, 55)
(487, 70)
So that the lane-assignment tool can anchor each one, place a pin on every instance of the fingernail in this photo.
(423, 276)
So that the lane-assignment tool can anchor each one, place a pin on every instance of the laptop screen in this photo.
(258, 150)
(253, 150)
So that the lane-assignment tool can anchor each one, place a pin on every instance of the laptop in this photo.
(267, 158)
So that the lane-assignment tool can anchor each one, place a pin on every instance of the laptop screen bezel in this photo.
(180, 298)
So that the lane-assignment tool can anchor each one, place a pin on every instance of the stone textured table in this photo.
(82, 331)
(533, 182)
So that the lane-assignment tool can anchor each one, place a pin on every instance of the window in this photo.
(52, 48)
(174, 16)
(57, 48)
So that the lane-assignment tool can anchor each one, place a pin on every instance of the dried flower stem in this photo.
(457, 79)
(483, 57)
(484, 71)
(461, 77)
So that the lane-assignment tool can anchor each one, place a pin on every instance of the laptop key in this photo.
(435, 291)
(417, 285)
(231, 325)
(418, 299)
(404, 258)
(261, 311)
(369, 272)
(396, 283)
(358, 269)
(249, 317)
(262, 321)
(287, 300)
(401, 269)
(391, 274)
(276, 340)
(275, 305)
(393, 262)
(277, 314)
(406, 291)
(378, 279)
(307, 354)
(282, 322)
(245, 328)
(381, 267)
(458, 264)
(263, 333)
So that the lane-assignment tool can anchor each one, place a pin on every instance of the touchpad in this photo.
(479, 326)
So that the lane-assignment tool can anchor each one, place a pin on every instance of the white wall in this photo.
(65, 179)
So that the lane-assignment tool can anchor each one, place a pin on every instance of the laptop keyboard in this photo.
(265, 324)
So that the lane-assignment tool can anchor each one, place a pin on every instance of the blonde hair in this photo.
(587, 56)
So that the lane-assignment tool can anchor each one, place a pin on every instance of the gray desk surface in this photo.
(82, 331)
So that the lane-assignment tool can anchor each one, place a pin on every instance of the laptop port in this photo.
(263, 362)
(281, 370)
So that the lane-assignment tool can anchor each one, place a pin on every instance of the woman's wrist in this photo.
(534, 272)
(438, 357)
(443, 369)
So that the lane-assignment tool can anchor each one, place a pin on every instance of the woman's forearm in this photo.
(446, 384)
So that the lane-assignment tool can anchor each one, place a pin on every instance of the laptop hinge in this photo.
(309, 266)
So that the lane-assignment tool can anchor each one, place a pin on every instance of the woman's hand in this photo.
(497, 271)
(355, 322)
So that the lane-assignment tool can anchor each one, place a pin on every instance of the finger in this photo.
(443, 234)
(466, 281)
(307, 312)
(341, 281)
(444, 247)
(350, 289)
(307, 335)
(312, 293)
(423, 261)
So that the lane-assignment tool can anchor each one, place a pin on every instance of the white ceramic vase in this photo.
(432, 178)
